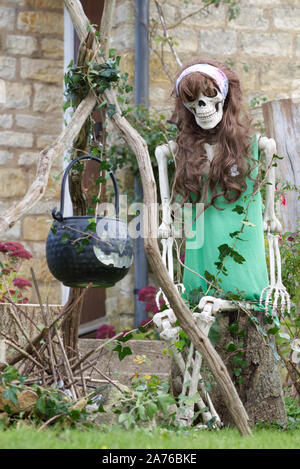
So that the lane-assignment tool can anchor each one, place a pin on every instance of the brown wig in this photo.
(231, 136)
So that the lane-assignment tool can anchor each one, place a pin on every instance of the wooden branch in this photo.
(47, 156)
(182, 312)
(106, 25)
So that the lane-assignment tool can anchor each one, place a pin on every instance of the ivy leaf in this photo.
(111, 110)
(11, 394)
(65, 237)
(239, 209)
(230, 347)
(164, 401)
(151, 409)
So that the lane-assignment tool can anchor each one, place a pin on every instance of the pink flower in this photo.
(21, 282)
(105, 331)
(15, 249)
(283, 200)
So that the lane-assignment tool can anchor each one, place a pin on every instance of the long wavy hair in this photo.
(231, 138)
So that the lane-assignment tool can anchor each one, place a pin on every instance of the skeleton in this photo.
(208, 112)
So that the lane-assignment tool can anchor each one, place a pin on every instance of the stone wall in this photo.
(31, 65)
(262, 44)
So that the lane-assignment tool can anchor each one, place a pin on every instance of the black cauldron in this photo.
(79, 252)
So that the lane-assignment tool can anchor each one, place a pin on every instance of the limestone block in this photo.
(157, 73)
(7, 18)
(32, 311)
(50, 71)
(249, 18)
(24, 45)
(5, 156)
(6, 121)
(125, 12)
(187, 40)
(52, 48)
(13, 233)
(298, 45)
(40, 268)
(12, 183)
(123, 37)
(50, 4)
(287, 18)
(277, 75)
(218, 41)
(47, 98)
(36, 228)
(9, 138)
(17, 97)
(7, 67)
(26, 400)
(208, 17)
(157, 363)
(38, 124)
(279, 44)
(28, 158)
(40, 22)
(43, 141)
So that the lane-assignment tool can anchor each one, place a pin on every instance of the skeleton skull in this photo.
(208, 110)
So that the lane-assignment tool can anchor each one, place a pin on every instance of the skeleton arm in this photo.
(268, 146)
(162, 153)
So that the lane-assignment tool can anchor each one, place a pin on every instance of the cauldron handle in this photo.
(59, 215)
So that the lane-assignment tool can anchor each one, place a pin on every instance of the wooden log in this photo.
(282, 121)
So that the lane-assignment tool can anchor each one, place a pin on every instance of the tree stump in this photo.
(251, 363)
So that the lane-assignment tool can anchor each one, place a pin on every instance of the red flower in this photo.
(147, 293)
(145, 322)
(21, 282)
(105, 331)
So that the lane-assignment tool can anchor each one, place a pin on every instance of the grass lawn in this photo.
(158, 438)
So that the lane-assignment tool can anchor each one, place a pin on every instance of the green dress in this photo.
(213, 230)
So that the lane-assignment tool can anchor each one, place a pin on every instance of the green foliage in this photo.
(147, 399)
(97, 77)
(154, 129)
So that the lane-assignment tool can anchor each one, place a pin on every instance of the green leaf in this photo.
(230, 347)
(65, 237)
(11, 394)
(239, 209)
(164, 401)
(151, 409)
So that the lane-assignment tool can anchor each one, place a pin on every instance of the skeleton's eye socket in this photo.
(212, 93)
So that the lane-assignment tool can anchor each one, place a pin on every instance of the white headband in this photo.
(213, 72)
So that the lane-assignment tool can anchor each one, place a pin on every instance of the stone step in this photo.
(148, 357)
